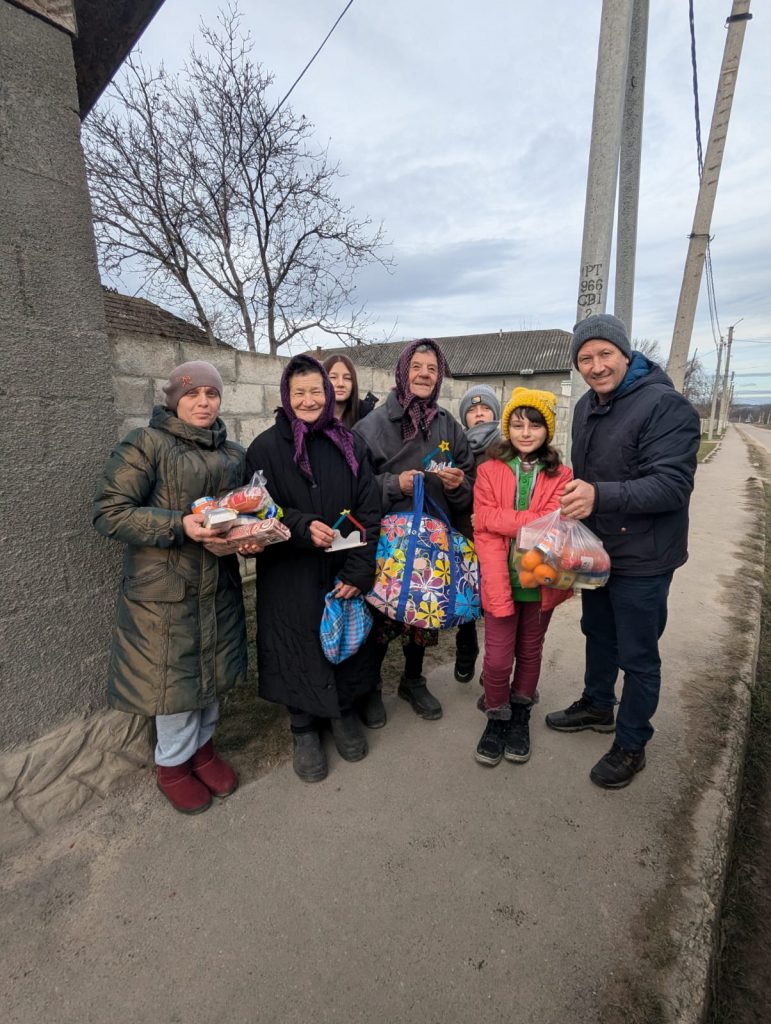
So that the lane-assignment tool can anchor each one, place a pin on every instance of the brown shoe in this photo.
(216, 774)
(182, 789)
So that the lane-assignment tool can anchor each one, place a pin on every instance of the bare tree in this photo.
(698, 384)
(210, 193)
(650, 348)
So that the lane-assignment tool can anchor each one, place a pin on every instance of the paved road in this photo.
(414, 887)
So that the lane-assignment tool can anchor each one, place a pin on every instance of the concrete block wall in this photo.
(140, 367)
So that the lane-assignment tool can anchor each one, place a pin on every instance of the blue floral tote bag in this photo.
(427, 573)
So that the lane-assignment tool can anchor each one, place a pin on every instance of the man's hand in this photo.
(321, 534)
(451, 478)
(578, 500)
(405, 481)
(195, 530)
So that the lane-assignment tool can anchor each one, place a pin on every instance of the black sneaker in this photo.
(416, 693)
(490, 748)
(582, 715)
(517, 747)
(618, 767)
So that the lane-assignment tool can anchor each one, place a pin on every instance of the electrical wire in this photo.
(315, 55)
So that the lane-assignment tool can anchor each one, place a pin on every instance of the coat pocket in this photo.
(165, 586)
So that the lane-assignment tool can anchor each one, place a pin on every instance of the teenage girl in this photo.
(349, 408)
(522, 480)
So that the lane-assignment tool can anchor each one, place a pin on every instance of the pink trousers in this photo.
(513, 640)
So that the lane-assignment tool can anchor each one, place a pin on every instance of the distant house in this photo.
(504, 360)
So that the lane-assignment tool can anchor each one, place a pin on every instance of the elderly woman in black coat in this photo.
(315, 470)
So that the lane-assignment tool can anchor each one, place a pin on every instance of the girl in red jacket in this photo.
(522, 480)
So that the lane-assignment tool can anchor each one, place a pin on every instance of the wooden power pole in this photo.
(705, 203)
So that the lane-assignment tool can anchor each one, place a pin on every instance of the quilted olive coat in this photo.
(180, 638)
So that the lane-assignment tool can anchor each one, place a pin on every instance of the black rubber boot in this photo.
(309, 760)
(372, 711)
(350, 741)
(416, 693)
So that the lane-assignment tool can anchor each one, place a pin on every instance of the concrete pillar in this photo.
(629, 165)
(609, 92)
(58, 579)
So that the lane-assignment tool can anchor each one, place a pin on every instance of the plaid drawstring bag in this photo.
(345, 625)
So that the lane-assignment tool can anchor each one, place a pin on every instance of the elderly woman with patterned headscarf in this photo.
(317, 471)
(408, 434)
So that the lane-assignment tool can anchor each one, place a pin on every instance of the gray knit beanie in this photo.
(602, 326)
(480, 394)
(188, 376)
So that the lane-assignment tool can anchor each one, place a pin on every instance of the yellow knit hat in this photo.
(544, 401)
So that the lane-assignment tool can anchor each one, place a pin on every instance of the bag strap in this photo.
(426, 502)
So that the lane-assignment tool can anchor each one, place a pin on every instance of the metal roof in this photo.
(478, 355)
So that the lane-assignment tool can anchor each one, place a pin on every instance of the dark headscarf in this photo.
(326, 424)
(420, 411)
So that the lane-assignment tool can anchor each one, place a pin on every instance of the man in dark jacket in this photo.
(635, 440)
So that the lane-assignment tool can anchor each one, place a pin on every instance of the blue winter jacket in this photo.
(639, 450)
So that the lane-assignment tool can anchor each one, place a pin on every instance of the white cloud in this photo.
(465, 129)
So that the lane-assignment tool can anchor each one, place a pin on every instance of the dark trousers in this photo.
(622, 623)
(466, 643)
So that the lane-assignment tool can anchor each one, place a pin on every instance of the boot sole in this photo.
(351, 758)
(516, 758)
(429, 716)
(378, 724)
(609, 727)
(184, 810)
(307, 777)
(614, 785)
(488, 762)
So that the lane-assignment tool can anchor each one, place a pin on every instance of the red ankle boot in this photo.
(182, 789)
(216, 774)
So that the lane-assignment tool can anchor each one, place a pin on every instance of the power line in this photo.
(315, 55)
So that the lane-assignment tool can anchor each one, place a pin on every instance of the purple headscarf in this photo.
(420, 411)
(326, 423)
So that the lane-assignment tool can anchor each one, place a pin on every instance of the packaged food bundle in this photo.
(262, 531)
(253, 499)
(560, 553)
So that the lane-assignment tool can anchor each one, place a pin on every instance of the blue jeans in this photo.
(622, 623)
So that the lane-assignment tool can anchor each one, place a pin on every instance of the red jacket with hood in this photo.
(496, 521)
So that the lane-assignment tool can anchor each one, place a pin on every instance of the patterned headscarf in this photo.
(326, 424)
(420, 411)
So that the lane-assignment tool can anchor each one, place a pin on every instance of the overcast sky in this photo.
(465, 129)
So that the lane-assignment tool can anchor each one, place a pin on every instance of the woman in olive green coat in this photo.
(179, 639)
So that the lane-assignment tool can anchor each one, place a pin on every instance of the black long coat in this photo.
(293, 577)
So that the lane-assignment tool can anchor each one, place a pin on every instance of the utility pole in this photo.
(715, 388)
(609, 90)
(629, 167)
(705, 203)
(722, 418)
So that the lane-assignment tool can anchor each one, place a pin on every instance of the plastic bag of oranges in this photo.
(559, 553)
